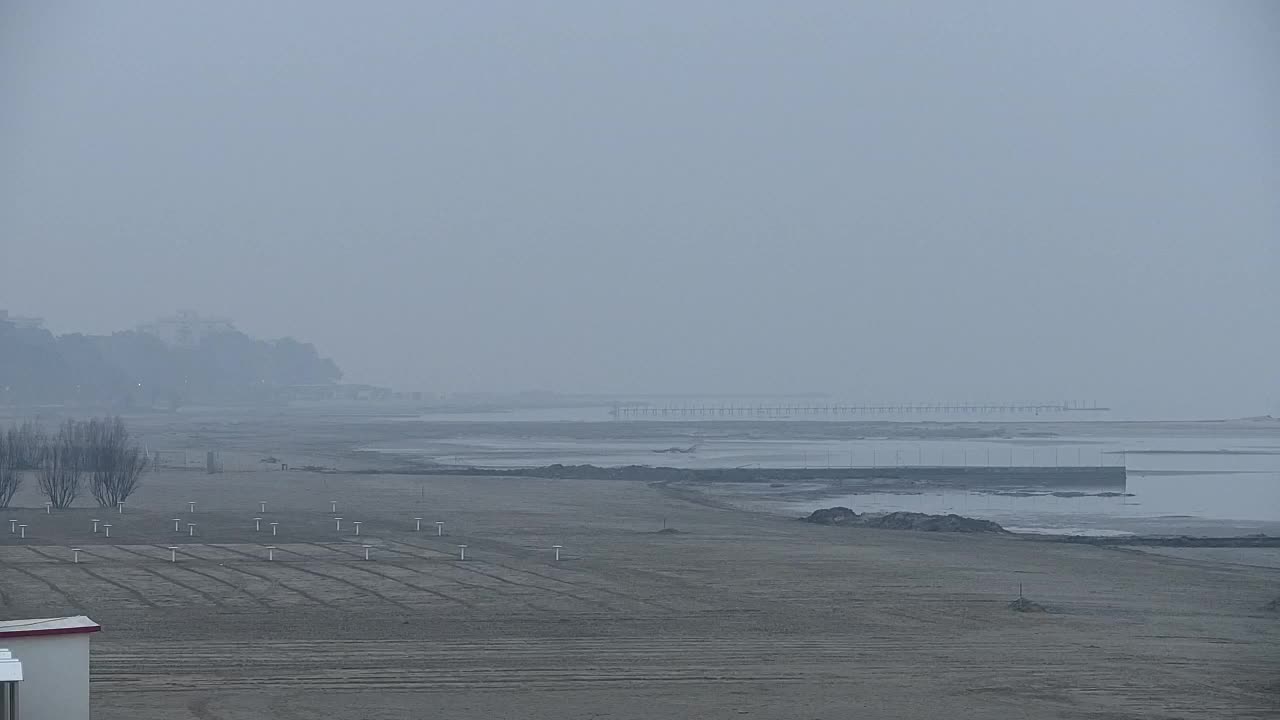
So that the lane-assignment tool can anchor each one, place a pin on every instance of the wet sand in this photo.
(740, 614)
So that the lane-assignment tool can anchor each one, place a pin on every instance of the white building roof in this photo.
(47, 626)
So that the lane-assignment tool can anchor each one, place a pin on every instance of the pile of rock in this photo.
(933, 523)
(832, 516)
(903, 521)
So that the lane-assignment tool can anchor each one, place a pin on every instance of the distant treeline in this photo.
(130, 369)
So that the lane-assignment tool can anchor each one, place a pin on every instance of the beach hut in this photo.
(49, 661)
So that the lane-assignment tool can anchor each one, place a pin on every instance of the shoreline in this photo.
(730, 609)
(767, 490)
(948, 477)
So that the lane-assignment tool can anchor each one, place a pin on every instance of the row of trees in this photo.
(131, 368)
(97, 453)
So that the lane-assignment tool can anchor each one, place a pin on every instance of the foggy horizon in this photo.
(910, 202)
(647, 360)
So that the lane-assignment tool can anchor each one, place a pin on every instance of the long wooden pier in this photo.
(624, 411)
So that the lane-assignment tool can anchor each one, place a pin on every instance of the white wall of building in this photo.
(186, 329)
(55, 676)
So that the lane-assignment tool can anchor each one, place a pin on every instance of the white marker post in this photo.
(338, 524)
(13, 526)
(75, 555)
(273, 527)
(271, 552)
(357, 524)
(95, 525)
(191, 504)
(120, 507)
(257, 524)
(557, 549)
(333, 506)
(48, 508)
(173, 554)
(417, 525)
(22, 530)
(439, 528)
(262, 507)
(177, 524)
(462, 552)
(366, 551)
(191, 529)
(106, 528)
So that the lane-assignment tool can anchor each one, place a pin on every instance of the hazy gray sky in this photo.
(994, 200)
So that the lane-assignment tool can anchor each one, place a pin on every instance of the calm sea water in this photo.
(1188, 482)
(1199, 503)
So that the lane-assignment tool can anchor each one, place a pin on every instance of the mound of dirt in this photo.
(667, 531)
(1027, 606)
(933, 523)
(832, 516)
(903, 521)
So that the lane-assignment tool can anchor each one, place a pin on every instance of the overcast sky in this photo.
(902, 201)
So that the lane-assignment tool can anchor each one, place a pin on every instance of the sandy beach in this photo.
(731, 613)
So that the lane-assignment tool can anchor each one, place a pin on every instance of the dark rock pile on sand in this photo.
(933, 523)
(903, 521)
(1027, 606)
(832, 516)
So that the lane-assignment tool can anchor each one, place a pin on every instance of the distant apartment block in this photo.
(336, 391)
(186, 328)
(30, 323)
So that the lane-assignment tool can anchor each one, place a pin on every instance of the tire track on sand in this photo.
(131, 591)
(393, 578)
(260, 602)
(581, 587)
(543, 588)
(156, 573)
(584, 586)
(469, 567)
(294, 566)
(267, 579)
(71, 600)
(463, 583)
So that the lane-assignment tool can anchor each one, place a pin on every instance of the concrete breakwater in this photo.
(1104, 478)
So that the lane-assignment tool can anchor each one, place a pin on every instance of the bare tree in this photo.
(27, 443)
(10, 477)
(114, 462)
(62, 464)
(21, 447)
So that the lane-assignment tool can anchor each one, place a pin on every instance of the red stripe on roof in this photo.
(49, 631)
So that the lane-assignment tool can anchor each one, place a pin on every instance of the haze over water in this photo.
(1182, 477)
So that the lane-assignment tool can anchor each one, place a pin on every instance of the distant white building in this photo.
(30, 323)
(52, 670)
(186, 329)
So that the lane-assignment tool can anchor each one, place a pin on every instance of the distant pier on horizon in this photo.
(640, 411)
